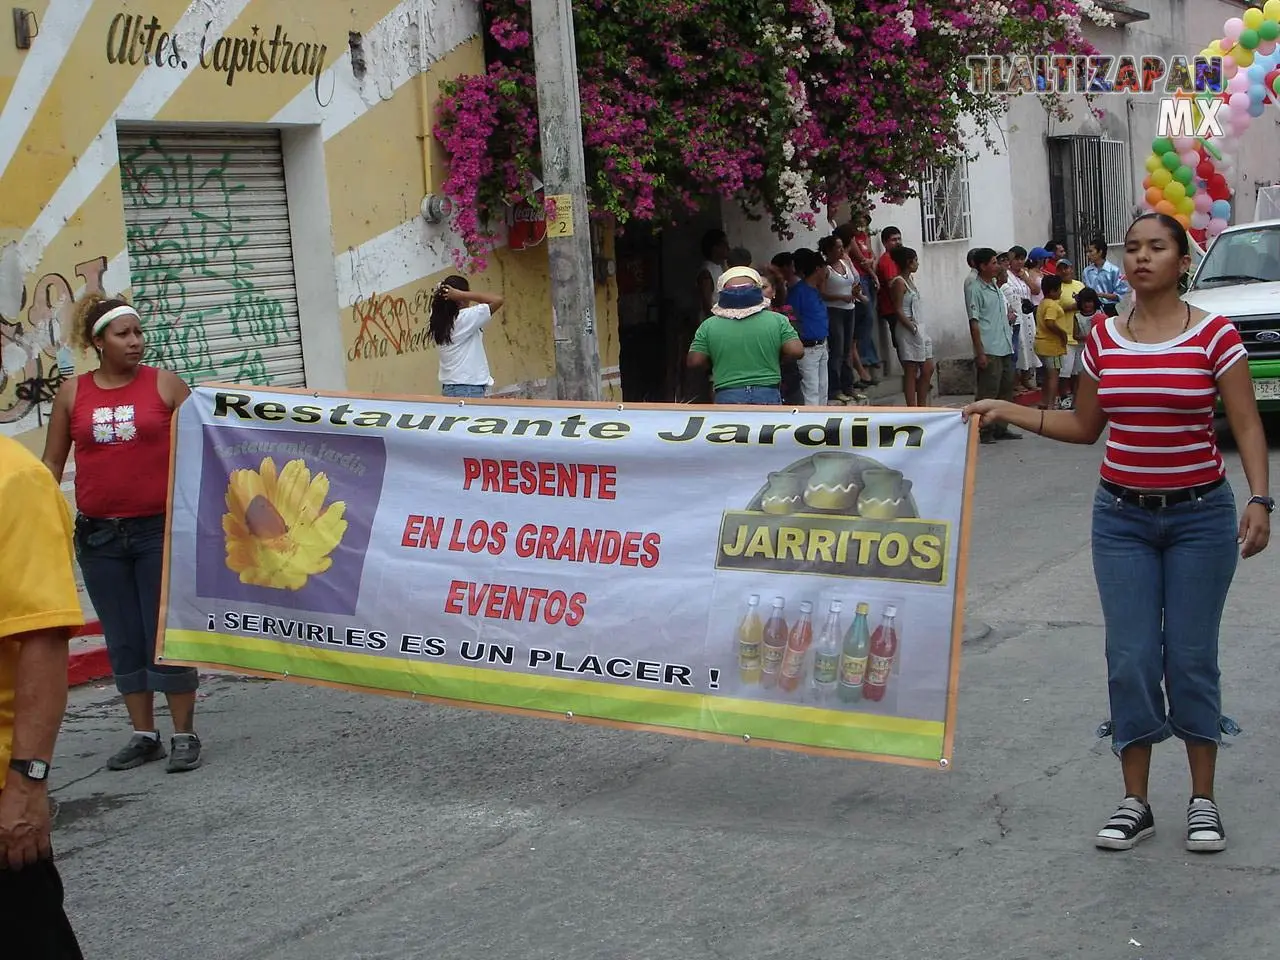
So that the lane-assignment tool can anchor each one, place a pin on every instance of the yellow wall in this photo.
(373, 167)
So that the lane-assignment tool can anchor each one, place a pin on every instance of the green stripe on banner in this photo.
(806, 726)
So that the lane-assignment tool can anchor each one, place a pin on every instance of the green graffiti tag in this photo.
(192, 268)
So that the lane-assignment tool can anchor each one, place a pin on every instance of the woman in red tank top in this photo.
(117, 418)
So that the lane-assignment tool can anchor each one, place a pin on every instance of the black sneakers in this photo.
(184, 753)
(139, 750)
(1129, 825)
(1204, 827)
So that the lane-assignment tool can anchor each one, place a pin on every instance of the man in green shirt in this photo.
(992, 338)
(744, 342)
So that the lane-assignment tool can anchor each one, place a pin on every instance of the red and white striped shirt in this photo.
(1159, 399)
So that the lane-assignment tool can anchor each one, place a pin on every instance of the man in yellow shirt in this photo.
(1075, 340)
(39, 607)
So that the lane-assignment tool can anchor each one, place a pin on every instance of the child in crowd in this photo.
(1089, 312)
(1071, 366)
(1051, 338)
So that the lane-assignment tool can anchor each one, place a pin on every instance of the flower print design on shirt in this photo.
(114, 424)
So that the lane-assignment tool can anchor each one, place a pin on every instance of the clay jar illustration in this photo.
(834, 484)
(783, 494)
(884, 494)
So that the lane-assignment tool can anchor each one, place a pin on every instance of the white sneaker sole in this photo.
(1207, 846)
(1115, 843)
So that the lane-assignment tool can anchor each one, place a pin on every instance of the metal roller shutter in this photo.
(210, 256)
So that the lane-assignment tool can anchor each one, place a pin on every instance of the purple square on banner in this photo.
(264, 560)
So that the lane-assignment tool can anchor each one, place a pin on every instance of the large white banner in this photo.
(774, 576)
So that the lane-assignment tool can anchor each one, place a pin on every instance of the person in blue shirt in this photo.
(807, 304)
(1104, 277)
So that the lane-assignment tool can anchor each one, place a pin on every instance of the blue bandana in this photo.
(740, 298)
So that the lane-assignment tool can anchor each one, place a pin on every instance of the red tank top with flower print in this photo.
(121, 439)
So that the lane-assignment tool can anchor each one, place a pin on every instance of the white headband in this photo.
(114, 313)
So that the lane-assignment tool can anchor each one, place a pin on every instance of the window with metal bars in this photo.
(944, 202)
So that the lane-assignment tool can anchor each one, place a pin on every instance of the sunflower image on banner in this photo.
(285, 518)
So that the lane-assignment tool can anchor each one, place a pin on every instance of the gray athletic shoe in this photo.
(136, 752)
(184, 753)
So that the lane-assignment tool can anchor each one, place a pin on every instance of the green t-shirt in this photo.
(747, 352)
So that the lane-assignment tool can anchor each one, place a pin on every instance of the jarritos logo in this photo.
(839, 515)
(1127, 75)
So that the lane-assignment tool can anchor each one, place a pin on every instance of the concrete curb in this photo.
(87, 660)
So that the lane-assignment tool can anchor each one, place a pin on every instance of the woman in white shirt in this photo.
(915, 346)
(459, 333)
(841, 293)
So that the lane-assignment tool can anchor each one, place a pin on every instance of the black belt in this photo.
(1150, 500)
(813, 343)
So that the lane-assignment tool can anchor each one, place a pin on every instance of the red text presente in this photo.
(541, 478)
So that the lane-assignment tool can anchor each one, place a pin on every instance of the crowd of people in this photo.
(1028, 316)
(802, 328)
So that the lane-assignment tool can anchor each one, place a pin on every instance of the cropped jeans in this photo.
(1163, 576)
(122, 562)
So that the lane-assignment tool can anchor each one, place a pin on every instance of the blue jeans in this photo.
(122, 562)
(839, 346)
(753, 394)
(864, 327)
(1163, 577)
(469, 390)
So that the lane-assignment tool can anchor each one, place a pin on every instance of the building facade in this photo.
(1068, 180)
(252, 174)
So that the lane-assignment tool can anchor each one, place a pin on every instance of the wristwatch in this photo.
(36, 770)
(1268, 502)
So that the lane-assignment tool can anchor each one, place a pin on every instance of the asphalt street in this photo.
(333, 826)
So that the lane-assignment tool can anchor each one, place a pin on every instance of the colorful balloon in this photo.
(1186, 206)
(1153, 196)
(1172, 161)
(1249, 39)
(1153, 163)
(1269, 31)
(1203, 204)
(1232, 29)
(1216, 226)
(1200, 220)
(1252, 18)
(1165, 207)
(1161, 178)
(1161, 145)
(1271, 10)
(1183, 219)
(1242, 56)
(1184, 175)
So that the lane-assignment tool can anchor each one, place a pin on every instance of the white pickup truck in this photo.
(1239, 277)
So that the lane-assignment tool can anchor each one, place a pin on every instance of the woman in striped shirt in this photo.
(1165, 532)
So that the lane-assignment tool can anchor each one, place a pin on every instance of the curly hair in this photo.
(88, 312)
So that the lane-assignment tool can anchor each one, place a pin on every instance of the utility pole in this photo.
(564, 173)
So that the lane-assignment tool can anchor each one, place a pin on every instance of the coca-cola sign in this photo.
(527, 224)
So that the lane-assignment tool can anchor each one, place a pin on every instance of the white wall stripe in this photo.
(146, 97)
(391, 49)
(389, 261)
(58, 28)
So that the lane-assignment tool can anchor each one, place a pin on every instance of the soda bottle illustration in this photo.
(774, 646)
(853, 656)
(797, 649)
(750, 640)
(884, 646)
(826, 656)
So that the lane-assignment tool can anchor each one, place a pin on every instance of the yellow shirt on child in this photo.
(1050, 317)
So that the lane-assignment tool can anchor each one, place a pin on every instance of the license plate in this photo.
(1266, 389)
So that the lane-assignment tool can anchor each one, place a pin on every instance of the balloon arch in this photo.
(1190, 177)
